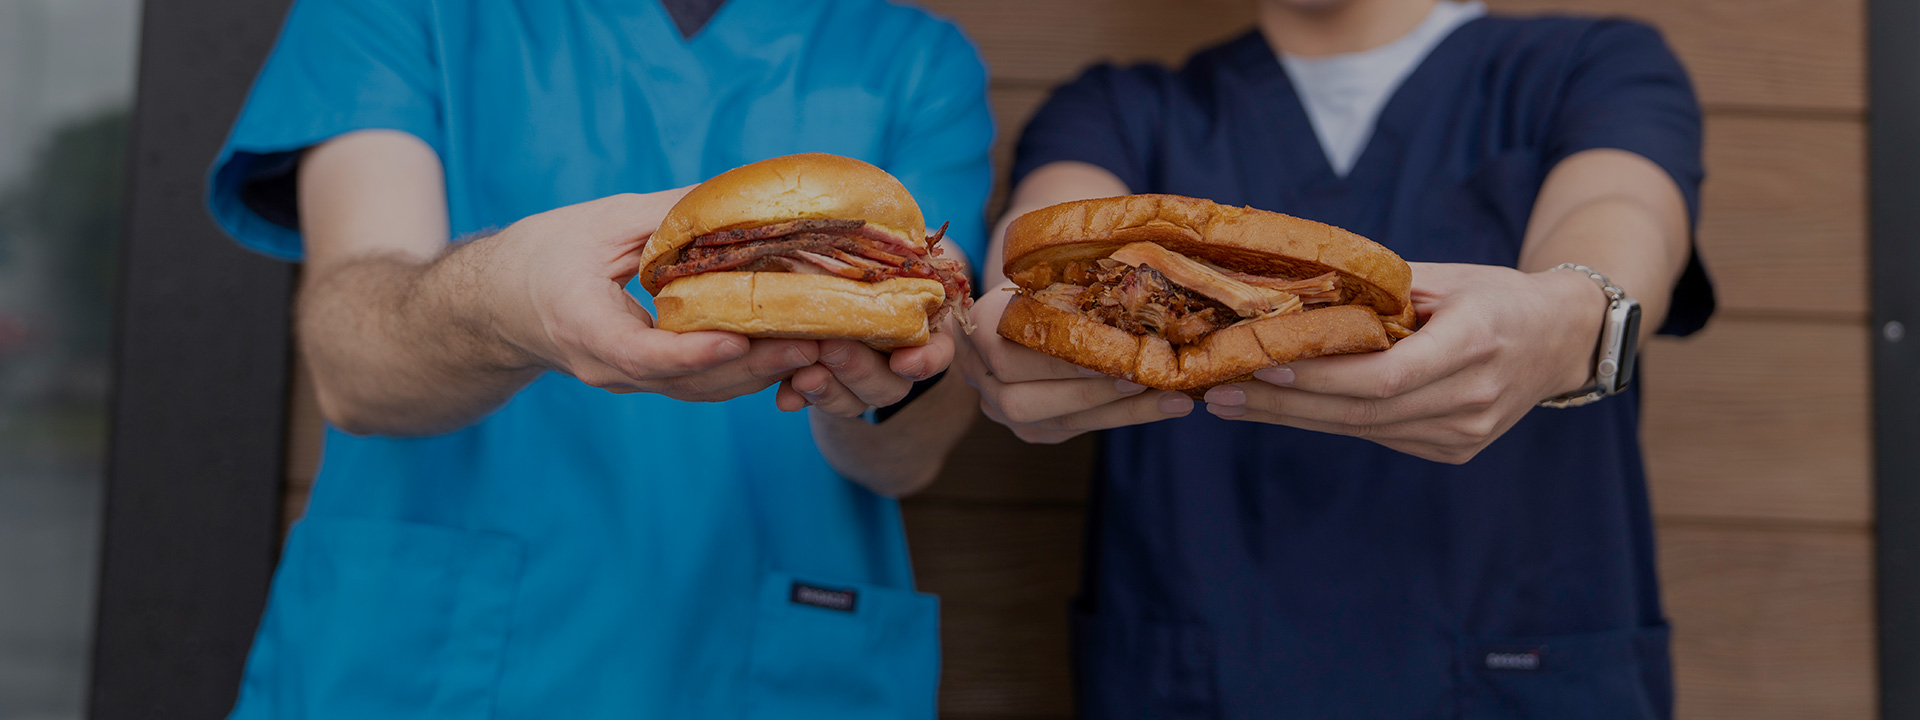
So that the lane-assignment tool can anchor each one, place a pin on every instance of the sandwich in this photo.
(804, 246)
(1183, 294)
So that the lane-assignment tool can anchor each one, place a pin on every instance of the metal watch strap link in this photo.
(1614, 295)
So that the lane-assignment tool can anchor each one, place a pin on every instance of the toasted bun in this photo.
(1228, 355)
(887, 314)
(1041, 242)
(795, 187)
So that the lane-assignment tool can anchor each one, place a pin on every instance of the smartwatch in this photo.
(1619, 344)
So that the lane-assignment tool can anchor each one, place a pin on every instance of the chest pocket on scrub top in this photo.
(842, 651)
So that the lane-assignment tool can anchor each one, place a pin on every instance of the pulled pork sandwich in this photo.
(1183, 294)
(804, 246)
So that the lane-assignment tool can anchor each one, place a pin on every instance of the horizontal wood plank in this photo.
(1760, 419)
(1783, 214)
(1012, 107)
(991, 465)
(1047, 42)
(1786, 54)
(1005, 575)
(1770, 624)
(1800, 54)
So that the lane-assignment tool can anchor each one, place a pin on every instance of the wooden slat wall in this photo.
(1757, 430)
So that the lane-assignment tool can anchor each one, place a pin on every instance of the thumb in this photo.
(630, 341)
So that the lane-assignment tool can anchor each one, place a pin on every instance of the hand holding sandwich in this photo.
(568, 308)
(1495, 343)
(408, 335)
(1047, 400)
(817, 247)
(1496, 340)
(835, 251)
(851, 377)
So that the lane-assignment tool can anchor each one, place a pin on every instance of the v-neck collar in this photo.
(691, 16)
(737, 18)
(1403, 105)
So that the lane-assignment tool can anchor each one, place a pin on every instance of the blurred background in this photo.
(1759, 432)
(66, 83)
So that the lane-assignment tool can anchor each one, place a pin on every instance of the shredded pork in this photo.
(1246, 300)
(1146, 289)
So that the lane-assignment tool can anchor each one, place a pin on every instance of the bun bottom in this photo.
(885, 315)
(1226, 356)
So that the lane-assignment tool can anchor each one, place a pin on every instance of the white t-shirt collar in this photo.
(1344, 94)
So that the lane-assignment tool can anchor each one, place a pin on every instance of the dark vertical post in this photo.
(1894, 126)
(200, 387)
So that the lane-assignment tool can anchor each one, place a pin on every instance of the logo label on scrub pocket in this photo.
(1525, 661)
(829, 598)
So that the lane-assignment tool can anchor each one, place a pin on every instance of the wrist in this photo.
(1580, 312)
(490, 304)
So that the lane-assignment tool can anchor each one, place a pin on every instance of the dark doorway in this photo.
(200, 384)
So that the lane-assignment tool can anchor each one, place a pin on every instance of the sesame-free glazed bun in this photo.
(887, 314)
(807, 186)
(1375, 285)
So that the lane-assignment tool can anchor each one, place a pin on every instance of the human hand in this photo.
(1044, 399)
(563, 302)
(1497, 341)
(851, 377)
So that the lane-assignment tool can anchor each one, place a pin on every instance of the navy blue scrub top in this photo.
(1240, 570)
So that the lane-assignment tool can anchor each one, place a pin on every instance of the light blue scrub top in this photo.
(580, 554)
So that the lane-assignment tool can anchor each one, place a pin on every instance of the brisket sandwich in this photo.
(1183, 294)
(804, 246)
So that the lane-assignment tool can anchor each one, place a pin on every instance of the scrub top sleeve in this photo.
(1106, 118)
(339, 66)
(943, 141)
(1627, 91)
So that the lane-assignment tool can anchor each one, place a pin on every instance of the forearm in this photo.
(1624, 240)
(1620, 214)
(904, 454)
(402, 346)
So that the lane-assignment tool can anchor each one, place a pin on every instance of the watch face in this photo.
(1629, 342)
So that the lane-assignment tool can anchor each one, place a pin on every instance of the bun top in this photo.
(1042, 242)
(794, 187)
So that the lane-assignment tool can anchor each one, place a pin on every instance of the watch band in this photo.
(1585, 396)
(877, 415)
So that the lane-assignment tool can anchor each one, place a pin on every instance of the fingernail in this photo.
(1226, 411)
(915, 370)
(795, 359)
(1282, 375)
(1174, 403)
(1090, 372)
(814, 392)
(1127, 388)
(835, 357)
(732, 349)
(1227, 395)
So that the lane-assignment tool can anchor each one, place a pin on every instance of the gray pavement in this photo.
(49, 550)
